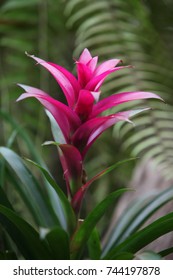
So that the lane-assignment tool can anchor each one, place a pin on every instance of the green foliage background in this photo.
(140, 32)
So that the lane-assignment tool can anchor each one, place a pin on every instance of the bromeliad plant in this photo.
(61, 233)
(80, 122)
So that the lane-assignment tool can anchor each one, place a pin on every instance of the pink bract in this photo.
(80, 120)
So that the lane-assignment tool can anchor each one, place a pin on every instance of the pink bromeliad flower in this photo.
(80, 121)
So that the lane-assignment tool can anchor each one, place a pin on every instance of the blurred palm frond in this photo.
(129, 30)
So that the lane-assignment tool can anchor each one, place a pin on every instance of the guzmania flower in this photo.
(80, 120)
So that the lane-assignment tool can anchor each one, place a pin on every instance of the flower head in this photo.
(80, 120)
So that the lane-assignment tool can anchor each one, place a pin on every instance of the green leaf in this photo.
(83, 233)
(142, 238)
(94, 247)
(67, 209)
(23, 134)
(20, 132)
(135, 215)
(117, 164)
(24, 235)
(4, 200)
(166, 252)
(77, 199)
(30, 190)
(8, 255)
(16, 4)
(58, 242)
(47, 143)
(124, 256)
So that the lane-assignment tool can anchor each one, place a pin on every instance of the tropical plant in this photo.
(39, 220)
(75, 128)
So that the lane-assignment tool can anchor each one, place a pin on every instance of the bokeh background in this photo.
(140, 32)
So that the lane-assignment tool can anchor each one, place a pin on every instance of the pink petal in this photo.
(67, 120)
(81, 136)
(84, 105)
(84, 74)
(85, 57)
(30, 89)
(95, 83)
(105, 66)
(120, 98)
(72, 79)
(64, 79)
(86, 65)
(96, 95)
(87, 133)
(92, 63)
(72, 165)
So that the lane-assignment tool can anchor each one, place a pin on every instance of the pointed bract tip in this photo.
(19, 98)
(20, 85)
(30, 55)
(137, 111)
(85, 56)
(47, 143)
(37, 59)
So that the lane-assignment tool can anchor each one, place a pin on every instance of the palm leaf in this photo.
(124, 29)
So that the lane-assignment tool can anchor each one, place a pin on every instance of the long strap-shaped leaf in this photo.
(24, 236)
(4, 200)
(94, 246)
(68, 211)
(135, 215)
(29, 189)
(143, 237)
(83, 233)
(58, 242)
(20, 131)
